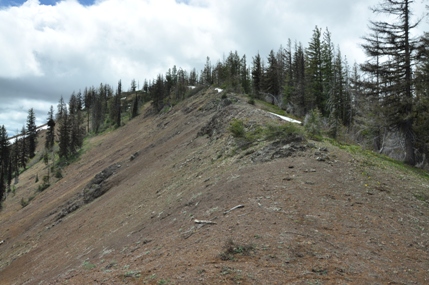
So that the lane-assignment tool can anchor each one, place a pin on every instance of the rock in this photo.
(279, 149)
(95, 188)
(132, 157)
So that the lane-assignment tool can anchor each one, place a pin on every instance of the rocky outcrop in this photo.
(96, 187)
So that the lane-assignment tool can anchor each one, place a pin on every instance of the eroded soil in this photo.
(314, 214)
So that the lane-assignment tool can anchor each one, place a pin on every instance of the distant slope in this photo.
(310, 212)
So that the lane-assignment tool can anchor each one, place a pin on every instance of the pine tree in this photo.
(207, 73)
(298, 95)
(336, 100)
(97, 114)
(157, 93)
(77, 131)
(257, 76)
(135, 108)
(4, 161)
(133, 85)
(64, 134)
(421, 122)
(314, 75)
(31, 133)
(327, 66)
(271, 77)
(391, 44)
(87, 99)
(244, 76)
(50, 134)
(23, 149)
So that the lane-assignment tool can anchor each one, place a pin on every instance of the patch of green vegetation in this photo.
(237, 128)
(88, 265)
(231, 249)
(313, 124)
(374, 159)
(422, 197)
(252, 133)
(163, 281)
(273, 132)
(270, 107)
(42, 187)
(24, 202)
(132, 274)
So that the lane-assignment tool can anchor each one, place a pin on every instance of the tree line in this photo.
(387, 94)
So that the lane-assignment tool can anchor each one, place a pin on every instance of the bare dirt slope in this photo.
(310, 212)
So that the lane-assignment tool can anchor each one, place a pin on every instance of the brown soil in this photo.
(313, 214)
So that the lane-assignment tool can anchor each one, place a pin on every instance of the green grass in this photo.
(374, 159)
(270, 107)
(253, 133)
(88, 265)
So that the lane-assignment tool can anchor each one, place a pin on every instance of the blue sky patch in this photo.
(7, 3)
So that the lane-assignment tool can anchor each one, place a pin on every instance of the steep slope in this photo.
(309, 212)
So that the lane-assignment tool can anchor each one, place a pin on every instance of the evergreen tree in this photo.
(421, 122)
(135, 108)
(60, 108)
(31, 133)
(77, 131)
(193, 77)
(271, 78)
(87, 98)
(181, 84)
(257, 75)
(391, 44)
(73, 104)
(157, 92)
(64, 134)
(118, 104)
(4, 162)
(298, 96)
(207, 73)
(50, 134)
(314, 75)
(23, 150)
(97, 113)
(133, 85)
(327, 67)
(336, 100)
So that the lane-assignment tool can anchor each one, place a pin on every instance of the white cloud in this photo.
(49, 51)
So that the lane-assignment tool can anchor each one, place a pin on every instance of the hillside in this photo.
(154, 202)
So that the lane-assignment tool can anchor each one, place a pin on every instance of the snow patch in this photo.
(286, 118)
(191, 87)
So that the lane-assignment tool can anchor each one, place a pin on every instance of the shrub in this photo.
(313, 123)
(231, 249)
(237, 128)
(58, 174)
(43, 187)
(273, 132)
(24, 203)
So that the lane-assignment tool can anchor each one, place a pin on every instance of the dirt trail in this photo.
(312, 213)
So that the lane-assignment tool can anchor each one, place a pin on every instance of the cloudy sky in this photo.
(51, 48)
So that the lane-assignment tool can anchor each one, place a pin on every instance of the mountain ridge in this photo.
(312, 212)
